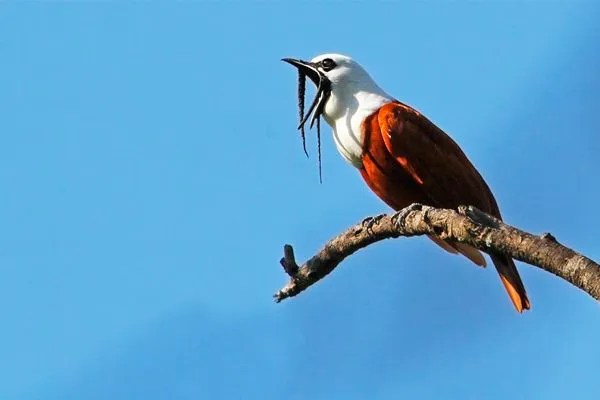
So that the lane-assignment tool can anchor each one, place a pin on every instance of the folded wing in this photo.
(446, 178)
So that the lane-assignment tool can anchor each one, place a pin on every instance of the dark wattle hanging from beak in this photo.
(301, 89)
(323, 84)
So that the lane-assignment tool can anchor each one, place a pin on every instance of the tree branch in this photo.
(468, 225)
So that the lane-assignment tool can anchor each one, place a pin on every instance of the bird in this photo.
(402, 156)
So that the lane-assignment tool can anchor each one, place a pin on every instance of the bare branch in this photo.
(468, 225)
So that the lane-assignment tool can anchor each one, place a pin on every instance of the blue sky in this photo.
(151, 173)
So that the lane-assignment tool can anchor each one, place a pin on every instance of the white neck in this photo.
(346, 109)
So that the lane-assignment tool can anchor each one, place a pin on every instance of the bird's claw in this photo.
(368, 222)
(400, 216)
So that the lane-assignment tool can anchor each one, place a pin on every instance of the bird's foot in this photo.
(368, 222)
(399, 218)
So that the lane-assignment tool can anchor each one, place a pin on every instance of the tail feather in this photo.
(443, 244)
(471, 253)
(509, 275)
(455, 247)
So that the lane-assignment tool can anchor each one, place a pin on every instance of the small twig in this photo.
(468, 225)
(288, 262)
(548, 236)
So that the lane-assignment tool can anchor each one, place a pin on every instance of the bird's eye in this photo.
(328, 64)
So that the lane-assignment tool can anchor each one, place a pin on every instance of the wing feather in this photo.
(447, 178)
(433, 159)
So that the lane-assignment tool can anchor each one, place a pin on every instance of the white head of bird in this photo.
(346, 95)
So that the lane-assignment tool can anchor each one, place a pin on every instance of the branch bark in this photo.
(468, 225)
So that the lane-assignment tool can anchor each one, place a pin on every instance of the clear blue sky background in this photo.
(151, 172)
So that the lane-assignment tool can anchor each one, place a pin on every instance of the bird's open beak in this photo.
(307, 68)
(321, 82)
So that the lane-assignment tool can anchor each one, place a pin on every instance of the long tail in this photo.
(512, 281)
(504, 265)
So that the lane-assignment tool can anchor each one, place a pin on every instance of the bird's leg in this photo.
(400, 216)
(368, 222)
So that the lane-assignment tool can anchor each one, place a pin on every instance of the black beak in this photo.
(307, 68)
(321, 82)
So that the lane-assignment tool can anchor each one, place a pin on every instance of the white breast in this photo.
(345, 115)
